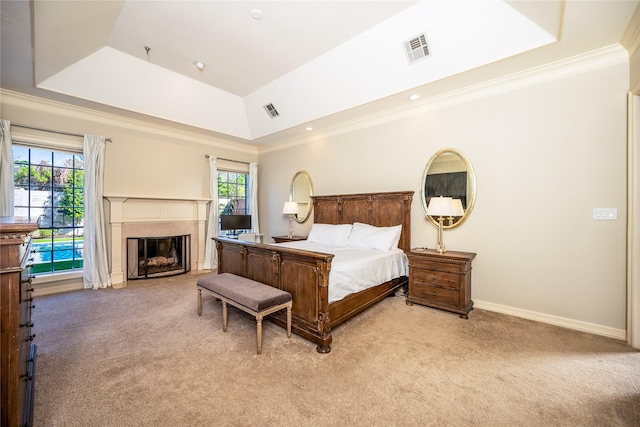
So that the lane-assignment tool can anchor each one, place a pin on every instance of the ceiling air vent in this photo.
(271, 111)
(416, 48)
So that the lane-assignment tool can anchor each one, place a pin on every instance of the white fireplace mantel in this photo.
(152, 217)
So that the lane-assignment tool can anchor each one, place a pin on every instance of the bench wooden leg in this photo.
(224, 316)
(259, 332)
(258, 315)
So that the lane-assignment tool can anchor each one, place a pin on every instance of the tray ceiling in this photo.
(310, 60)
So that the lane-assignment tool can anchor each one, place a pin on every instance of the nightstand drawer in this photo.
(436, 295)
(435, 278)
(440, 265)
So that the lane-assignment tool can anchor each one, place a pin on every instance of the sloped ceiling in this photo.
(310, 59)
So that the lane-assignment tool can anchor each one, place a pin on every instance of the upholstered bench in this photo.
(247, 295)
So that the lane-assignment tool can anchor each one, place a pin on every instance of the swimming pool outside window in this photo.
(49, 188)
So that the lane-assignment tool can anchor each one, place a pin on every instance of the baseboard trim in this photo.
(56, 289)
(592, 328)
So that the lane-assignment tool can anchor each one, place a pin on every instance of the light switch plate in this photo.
(605, 213)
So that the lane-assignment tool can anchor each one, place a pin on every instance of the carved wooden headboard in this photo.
(379, 209)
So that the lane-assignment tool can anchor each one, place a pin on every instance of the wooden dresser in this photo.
(17, 350)
(441, 280)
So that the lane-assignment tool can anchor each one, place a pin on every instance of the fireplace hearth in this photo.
(149, 257)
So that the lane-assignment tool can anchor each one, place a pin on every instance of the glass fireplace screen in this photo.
(149, 257)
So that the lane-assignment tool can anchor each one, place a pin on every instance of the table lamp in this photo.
(290, 208)
(441, 207)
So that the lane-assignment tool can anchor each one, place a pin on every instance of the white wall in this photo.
(547, 147)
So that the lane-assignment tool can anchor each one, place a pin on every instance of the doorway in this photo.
(633, 227)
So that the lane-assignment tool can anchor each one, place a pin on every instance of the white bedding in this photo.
(355, 269)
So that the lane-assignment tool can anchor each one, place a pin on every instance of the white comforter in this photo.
(355, 269)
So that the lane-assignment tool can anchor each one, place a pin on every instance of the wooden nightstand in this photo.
(282, 239)
(441, 280)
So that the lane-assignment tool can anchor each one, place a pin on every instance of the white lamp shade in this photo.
(457, 207)
(290, 208)
(441, 206)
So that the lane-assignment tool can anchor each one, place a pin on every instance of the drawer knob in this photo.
(434, 277)
(434, 294)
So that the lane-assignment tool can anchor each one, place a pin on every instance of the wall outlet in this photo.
(605, 213)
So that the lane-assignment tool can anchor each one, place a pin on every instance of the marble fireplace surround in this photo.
(152, 217)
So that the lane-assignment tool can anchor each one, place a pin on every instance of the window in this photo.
(233, 191)
(49, 188)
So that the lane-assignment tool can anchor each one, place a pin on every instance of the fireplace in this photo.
(149, 257)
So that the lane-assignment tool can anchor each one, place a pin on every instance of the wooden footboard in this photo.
(304, 274)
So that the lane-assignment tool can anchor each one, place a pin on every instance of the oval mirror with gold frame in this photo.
(449, 174)
(300, 192)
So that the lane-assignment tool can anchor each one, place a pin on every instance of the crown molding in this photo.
(631, 37)
(47, 106)
(593, 60)
(559, 69)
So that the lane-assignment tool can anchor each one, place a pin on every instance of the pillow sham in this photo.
(371, 237)
(330, 234)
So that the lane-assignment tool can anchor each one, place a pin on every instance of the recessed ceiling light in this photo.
(308, 128)
(256, 14)
(414, 97)
(199, 65)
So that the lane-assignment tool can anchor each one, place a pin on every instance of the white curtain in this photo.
(95, 265)
(253, 193)
(210, 254)
(6, 169)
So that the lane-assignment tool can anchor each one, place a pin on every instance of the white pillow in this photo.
(330, 234)
(380, 238)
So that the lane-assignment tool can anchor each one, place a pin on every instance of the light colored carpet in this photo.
(141, 356)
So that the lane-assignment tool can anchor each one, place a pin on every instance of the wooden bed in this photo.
(305, 274)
